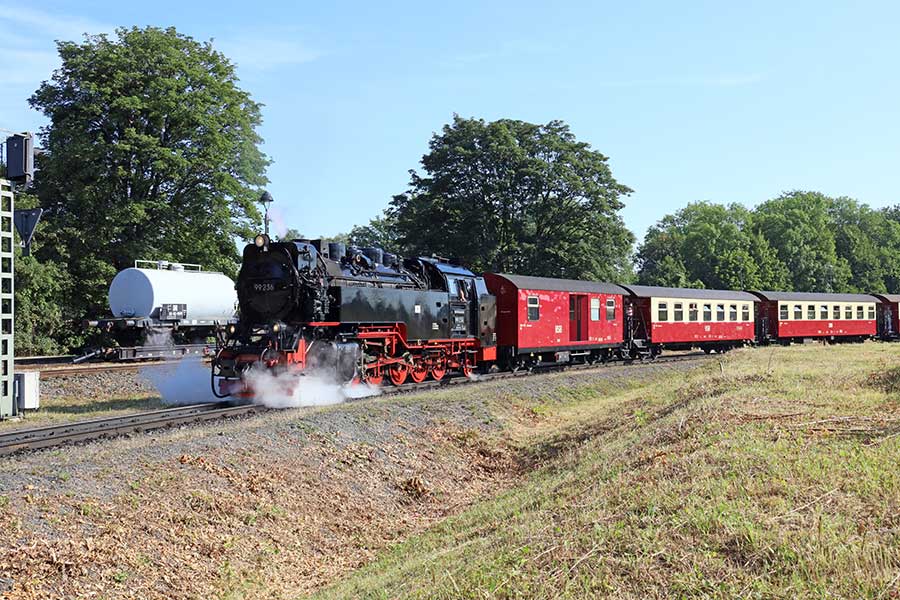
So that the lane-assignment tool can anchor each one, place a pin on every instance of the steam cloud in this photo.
(185, 383)
(290, 390)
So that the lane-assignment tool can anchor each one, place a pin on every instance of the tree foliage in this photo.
(803, 241)
(152, 152)
(512, 196)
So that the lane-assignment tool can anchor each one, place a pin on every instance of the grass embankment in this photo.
(770, 473)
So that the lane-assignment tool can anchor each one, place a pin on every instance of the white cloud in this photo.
(265, 51)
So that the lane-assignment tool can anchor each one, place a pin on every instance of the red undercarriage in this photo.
(388, 353)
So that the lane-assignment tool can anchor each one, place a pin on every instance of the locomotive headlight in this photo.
(276, 327)
(231, 329)
(261, 240)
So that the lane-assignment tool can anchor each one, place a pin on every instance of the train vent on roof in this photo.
(813, 297)
(527, 282)
(652, 291)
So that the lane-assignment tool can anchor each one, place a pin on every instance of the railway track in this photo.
(20, 440)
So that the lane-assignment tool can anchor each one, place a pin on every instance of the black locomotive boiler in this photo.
(357, 314)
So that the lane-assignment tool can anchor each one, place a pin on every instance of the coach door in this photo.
(577, 317)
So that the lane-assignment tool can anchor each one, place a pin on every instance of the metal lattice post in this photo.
(7, 247)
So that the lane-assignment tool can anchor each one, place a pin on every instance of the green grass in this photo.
(770, 473)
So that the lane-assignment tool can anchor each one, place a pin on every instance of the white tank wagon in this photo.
(162, 309)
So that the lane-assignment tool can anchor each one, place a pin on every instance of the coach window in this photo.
(848, 312)
(836, 312)
(783, 312)
(611, 309)
(798, 312)
(595, 309)
(745, 312)
(732, 312)
(678, 312)
(811, 312)
(663, 314)
(859, 312)
(720, 312)
(823, 312)
(692, 312)
(534, 308)
(871, 312)
(707, 312)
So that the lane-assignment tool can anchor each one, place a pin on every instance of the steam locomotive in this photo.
(354, 314)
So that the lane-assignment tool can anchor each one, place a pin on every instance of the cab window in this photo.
(595, 309)
(783, 312)
(663, 314)
(692, 312)
(534, 308)
(611, 309)
(678, 312)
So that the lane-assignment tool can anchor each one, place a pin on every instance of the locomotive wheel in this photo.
(374, 378)
(467, 369)
(438, 373)
(398, 373)
(418, 372)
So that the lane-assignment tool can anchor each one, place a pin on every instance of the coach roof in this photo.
(652, 291)
(814, 297)
(527, 282)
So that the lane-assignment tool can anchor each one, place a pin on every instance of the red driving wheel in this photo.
(438, 372)
(397, 373)
(374, 377)
(418, 372)
(467, 369)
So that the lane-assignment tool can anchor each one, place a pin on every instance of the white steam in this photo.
(186, 382)
(291, 390)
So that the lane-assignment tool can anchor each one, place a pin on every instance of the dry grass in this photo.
(771, 474)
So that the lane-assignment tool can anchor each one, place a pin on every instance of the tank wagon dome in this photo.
(141, 292)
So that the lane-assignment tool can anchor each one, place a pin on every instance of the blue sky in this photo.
(691, 101)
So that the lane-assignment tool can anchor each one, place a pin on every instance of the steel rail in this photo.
(20, 440)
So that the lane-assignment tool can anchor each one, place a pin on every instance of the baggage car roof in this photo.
(527, 282)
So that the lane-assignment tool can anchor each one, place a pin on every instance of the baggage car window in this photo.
(732, 312)
(678, 310)
(848, 312)
(707, 312)
(835, 312)
(811, 312)
(663, 314)
(871, 312)
(534, 308)
(859, 312)
(783, 312)
(720, 312)
(611, 309)
(595, 309)
(823, 312)
(745, 312)
(692, 311)
(798, 312)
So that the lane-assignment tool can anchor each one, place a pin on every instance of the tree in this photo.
(152, 152)
(800, 229)
(381, 232)
(512, 196)
(709, 245)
